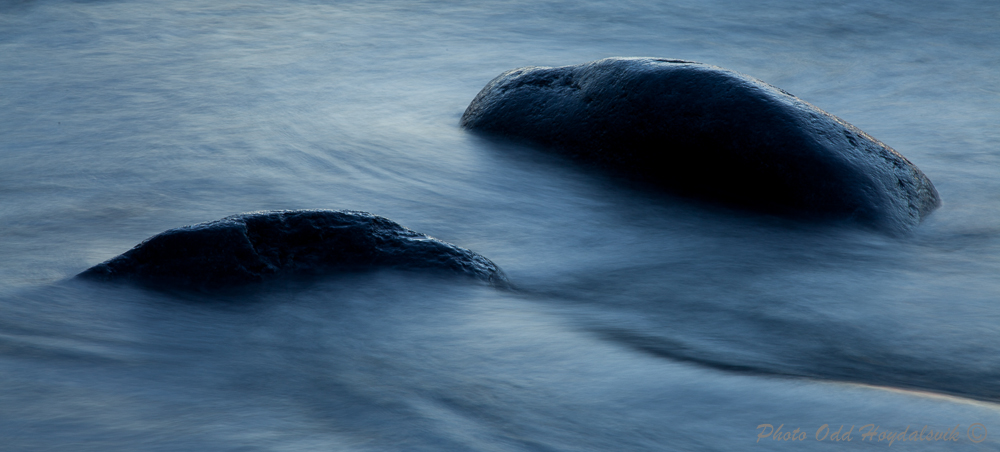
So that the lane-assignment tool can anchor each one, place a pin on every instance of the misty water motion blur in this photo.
(641, 322)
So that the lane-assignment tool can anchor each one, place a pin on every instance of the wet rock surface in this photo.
(706, 132)
(254, 247)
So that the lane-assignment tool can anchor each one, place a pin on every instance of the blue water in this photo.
(642, 322)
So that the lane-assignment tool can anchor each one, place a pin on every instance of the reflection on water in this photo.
(642, 322)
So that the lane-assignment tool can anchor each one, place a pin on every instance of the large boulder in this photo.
(252, 247)
(707, 132)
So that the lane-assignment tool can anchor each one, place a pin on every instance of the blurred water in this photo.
(642, 322)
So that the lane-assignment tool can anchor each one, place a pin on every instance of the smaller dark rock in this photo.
(254, 247)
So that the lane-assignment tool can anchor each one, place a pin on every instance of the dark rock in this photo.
(253, 247)
(707, 132)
